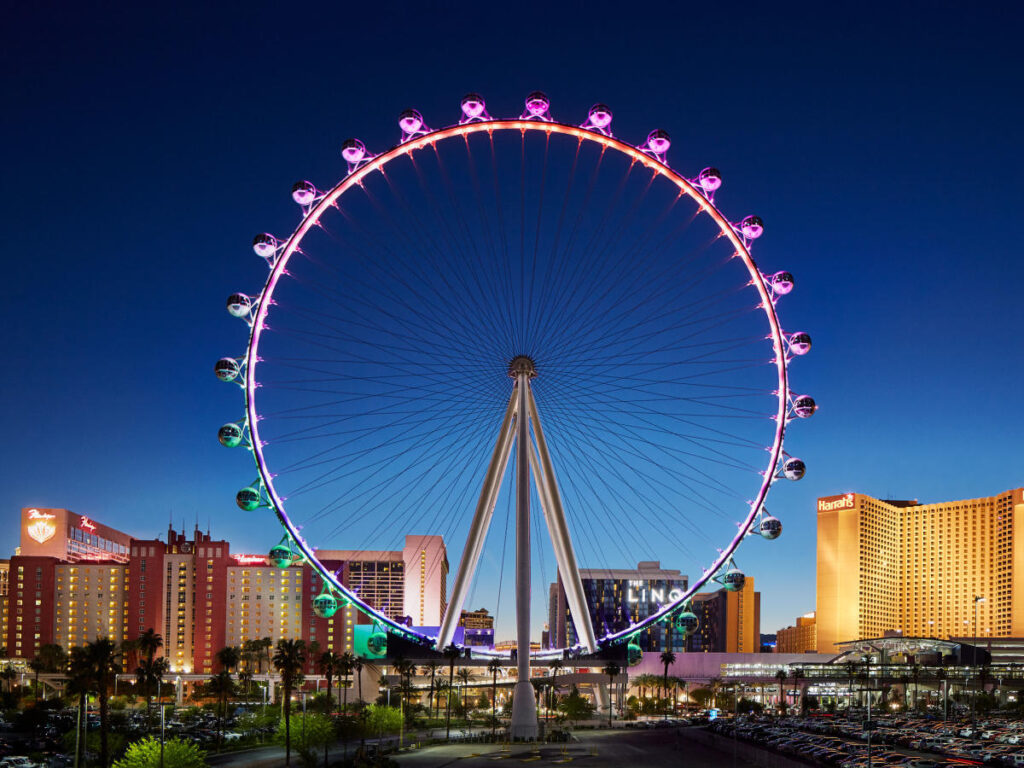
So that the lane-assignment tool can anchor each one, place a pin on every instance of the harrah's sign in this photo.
(836, 502)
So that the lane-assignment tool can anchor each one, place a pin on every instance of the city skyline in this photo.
(905, 274)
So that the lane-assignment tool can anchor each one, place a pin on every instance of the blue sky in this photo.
(143, 147)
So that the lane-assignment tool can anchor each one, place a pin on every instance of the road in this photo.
(618, 748)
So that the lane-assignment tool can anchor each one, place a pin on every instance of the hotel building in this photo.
(802, 638)
(76, 580)
(617, 598)
(729, 622)
(925, 570)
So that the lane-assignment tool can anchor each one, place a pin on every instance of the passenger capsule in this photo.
(325, 605)
(303, 192)
(770, 527)
(709, 179)
(410, 121)
(265, 245)
(658, 141)
(248, 499)
(634, 655)
(804, 406)
(353, 150)
(800, 343)
(239, 305)
(752, 227)
(227, 369)
(280, 556)
(377, 643)
(781, 282)
(230, 435)
(537, 104)
(473, 105)
(687, 623)
(734, 579)
(600, 116)
(794, 469)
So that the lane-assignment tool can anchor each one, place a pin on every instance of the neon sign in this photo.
(41, 530)
(87, 524)
(840, 502)
(250, 559)
(653, 596)
(35, 514)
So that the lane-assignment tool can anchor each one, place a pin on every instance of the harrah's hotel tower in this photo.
(75, 580)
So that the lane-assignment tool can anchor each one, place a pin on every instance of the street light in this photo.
(974, 652)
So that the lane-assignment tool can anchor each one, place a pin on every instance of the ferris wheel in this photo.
(519, 316)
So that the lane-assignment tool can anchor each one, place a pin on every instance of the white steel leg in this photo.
(560, 539)
(481, 522)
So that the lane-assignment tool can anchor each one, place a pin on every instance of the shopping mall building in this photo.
(74, 580)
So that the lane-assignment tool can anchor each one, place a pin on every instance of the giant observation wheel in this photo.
(450, 292)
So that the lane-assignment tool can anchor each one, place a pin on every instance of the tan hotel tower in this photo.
(917, 568)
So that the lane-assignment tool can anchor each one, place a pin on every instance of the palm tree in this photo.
(222, 686)
(613, 670)
(357, 666)
(667, 659)
(555, 666)
(52, 658)
(289, 660)
(9, 674)
(797, 674)
(149, 675)
(327, 664)
(104, 661)
(494, 667)
(781, 677)
(79, 683)
(464, 676)
(346, 663)
(228, 657)
(433, 666)
(36, 665)
(451, 653)
(915, 674)
(148, 643)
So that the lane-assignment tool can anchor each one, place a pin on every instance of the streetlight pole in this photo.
(974, 652)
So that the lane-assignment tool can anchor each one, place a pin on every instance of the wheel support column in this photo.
(524, 707)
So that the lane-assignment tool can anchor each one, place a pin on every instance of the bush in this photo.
(178, 753)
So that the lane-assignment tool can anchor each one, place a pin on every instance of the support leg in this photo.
(481, 522)
(559, 530)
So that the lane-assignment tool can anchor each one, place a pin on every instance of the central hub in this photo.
(521, 364)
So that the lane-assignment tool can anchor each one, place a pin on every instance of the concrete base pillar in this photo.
(524, 712)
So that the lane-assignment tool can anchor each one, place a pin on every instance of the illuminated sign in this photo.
(42, 530)
(653, 595)
(836, 502)
(87, 524)
(250, 559)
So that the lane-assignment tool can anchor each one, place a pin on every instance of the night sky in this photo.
(142, 149)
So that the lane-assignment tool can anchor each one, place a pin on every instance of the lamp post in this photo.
(974, 651)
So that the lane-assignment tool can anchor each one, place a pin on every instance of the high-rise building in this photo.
(478, 627)
(729, 622)
(617, 598)
(802, 638)
(927, 570)
(5, 573)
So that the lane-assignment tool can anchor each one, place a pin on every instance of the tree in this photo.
(229, 657)
(148, 675)
(797, 675)
(667, 659)
(381, 719)
(148, 643)
(575, 707)
(432, 666)
(177, 753)
(781, 677)
(451, 653)
(103, 661)
(289, 659)
(464, 677)
(494, 667)
(222, 686)
(327, 664)
(613, 670)
(313, 730)
(346, 663)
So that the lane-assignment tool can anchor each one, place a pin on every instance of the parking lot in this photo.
(907, 742)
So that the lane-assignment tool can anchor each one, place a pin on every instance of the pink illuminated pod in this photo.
(511, 349)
